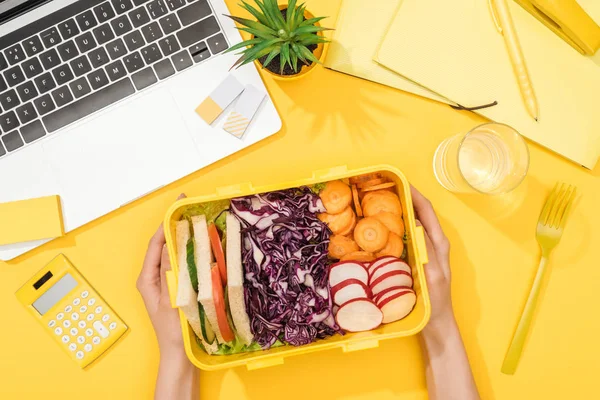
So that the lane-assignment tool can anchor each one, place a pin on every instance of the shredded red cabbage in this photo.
(285, 263)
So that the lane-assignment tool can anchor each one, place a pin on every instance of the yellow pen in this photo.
(504, 23)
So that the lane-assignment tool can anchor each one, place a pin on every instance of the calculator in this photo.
(71, 311)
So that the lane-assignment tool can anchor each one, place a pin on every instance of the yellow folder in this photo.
(453, 48)
(33, 219)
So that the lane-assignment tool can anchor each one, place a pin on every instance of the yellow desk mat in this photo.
(32, 219)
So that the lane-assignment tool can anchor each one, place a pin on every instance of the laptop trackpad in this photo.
(115, 158)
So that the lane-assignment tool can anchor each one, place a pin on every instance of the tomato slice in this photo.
(219, 300)
(215, 243)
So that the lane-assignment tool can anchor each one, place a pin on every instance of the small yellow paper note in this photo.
(27, 220)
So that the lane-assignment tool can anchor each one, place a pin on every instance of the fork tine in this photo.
(561, 205)
(557, 204)
(568, 205)
(548, 205)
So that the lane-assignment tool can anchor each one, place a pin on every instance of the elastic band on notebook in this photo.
(459, 107)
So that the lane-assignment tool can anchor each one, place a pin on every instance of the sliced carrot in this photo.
(366, 196)
(336, 197)
(348, 231)
(364, 178)
(360, 256)
(394, 247)
(372, 182)
(371, 235)
(339, 222)
(391, 221)
(381, 201)
(386, 185)
(357, 206)
(340, 245)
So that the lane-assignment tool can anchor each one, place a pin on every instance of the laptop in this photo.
(97, 100)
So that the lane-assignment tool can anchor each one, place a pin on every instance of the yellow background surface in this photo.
(331, 119)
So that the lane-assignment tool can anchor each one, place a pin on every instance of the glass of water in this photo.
(492, 158)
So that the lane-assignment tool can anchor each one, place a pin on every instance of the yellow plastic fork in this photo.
(549, 231)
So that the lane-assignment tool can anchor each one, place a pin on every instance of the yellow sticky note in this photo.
(220, 99)
(34, 219)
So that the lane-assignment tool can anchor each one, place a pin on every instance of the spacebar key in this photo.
(88, 105)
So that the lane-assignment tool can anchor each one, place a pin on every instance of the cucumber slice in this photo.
(207, 332)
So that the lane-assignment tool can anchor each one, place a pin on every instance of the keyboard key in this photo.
(169, 45)
(33, 46)
(9, 100)
(81, 66)
(9, 121)
(80, 87)
(51, 37)
(217, 43)
(199, 52)
(50, 59)
(122, 6)
(3, 85)
(3, 63)
(14, 76)
(88, 105)
(98, 79)
(32, 67)
(14, 54)
(27, 91)
(116, 49)
(134, 62)
(151, 54)
(194, 12)
(104, 12)
(62, 96)
(45, 83)
(169, 24)
(175, 4)
(152, 32)
(68, 51)
(157, 8)
(144, 78)
(44, 104)
(116, 70)
(32, 132)
(68, 29)
(197, 32)
(86, 20)
(121, 25)
(139, 17)
(26, 113)
(139, 2)
(182, 60)
(99, 57)
(62, 74)
(2, 151)
(164, 69)
(134, 40)
(86, 42)
(104, 34)
(12, 142)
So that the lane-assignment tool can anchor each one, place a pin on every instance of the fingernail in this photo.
(181, 196)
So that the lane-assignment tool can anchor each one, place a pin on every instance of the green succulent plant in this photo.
(275, 36)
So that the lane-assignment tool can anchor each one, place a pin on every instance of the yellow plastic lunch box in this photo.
(417, 256)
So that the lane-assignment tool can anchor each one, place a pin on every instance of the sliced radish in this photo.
(381, 260)
(389, 292)
(389, 266)
(359, 315)
(350, 289)
(398, 306)
(391, 279)
(345, 270)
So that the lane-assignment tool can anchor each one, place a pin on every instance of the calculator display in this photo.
(53, 295)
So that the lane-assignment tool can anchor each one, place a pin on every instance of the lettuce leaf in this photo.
(191, 262)
(212, 211)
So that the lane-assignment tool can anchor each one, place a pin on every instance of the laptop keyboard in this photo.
(94, 53)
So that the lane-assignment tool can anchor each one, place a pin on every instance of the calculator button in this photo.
(90, 317)
(74, 331)
(60, 316)
(67, 324)
(80, 339)
(83, 309)
(105, 317)
(81, 324)
(77, 302)
(112, 326)
(96, 340)
(58, 331)
(52, 323)
(85, 294)
(79, 355)
(66, 339)
(89, 332)
(101, 329)
(68, 309)
(98, 310)
(91, 302)
(74, 316)
(87, 347)
(72, 347)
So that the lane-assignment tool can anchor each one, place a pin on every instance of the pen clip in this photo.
(494, 15)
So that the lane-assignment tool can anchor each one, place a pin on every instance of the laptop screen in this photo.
(10, 9)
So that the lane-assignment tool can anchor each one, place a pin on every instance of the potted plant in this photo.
(287, 40)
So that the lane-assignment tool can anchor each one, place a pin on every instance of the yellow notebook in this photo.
(453, 48)
(32, 219)
(360, 28)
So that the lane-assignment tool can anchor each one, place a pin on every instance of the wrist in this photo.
(440, 328)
